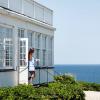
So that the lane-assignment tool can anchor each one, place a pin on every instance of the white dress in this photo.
(31, 65)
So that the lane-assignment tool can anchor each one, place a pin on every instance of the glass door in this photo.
(23, 61)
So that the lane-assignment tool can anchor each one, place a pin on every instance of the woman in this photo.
(31, 65)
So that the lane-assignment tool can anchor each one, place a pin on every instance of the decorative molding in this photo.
(23, 17)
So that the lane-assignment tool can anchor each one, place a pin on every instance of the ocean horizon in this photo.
(82, 72)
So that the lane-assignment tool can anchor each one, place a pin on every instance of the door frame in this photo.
(23, 70)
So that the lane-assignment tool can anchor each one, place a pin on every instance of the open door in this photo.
(23, 61)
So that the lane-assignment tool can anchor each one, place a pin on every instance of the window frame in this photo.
(21, 33)
(24, 58)
(44, 57)
(4, 66)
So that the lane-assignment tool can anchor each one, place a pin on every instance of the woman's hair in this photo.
(31, 50)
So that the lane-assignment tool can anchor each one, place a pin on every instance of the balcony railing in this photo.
(30, 8)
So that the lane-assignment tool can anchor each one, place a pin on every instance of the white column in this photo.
(34, 43)
(15, 52)
(33, 39)
(41, 53)
(47, 51)
(52, 50)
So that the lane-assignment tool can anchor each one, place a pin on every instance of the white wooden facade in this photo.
(25, 24)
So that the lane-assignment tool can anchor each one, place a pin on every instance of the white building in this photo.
(25, 24)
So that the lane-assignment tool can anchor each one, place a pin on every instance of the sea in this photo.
(88, 73)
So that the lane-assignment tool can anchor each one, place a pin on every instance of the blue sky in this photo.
(77, 38)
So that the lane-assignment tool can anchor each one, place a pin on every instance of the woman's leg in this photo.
(31, 77)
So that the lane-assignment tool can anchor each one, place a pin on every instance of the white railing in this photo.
(30, 8)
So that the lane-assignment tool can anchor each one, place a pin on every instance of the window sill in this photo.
(6, 69)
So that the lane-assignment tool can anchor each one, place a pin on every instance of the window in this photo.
(30, 39)
(50, 57)
(22, 47)
(22, 52)
(1, 52)
(44, 42)
(44, 57)
(51, 41)
(8, 52)
(50, 52)
(37, 51)
(6, 47)
(38, 40)
(21, 33)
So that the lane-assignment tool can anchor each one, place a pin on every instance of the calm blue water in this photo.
(89, 73)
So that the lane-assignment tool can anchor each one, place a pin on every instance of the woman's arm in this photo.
(36, 60)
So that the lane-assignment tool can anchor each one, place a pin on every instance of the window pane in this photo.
(1, 55)
(22, 53)
(6, 47)
(7, 56)
(44, 57)
(22, 62)
(7, 62)
(22, 56)
(24, 43)
(11, 64)
(21, 33)
(8, 52)
(30, 39)
(38, 41)
(20, 43)
(1, 63)
(8, 33)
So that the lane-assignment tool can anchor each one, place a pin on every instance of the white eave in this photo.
(25, 18)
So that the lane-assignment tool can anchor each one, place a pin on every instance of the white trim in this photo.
(34, 10)
(23, 70)
(8, 3)
(22, 7)
(6, 39)
(42, 5)
(26, 40)
(25, 18)
(4, 68)
(6, 25)
(29, 1)
(4, 65)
